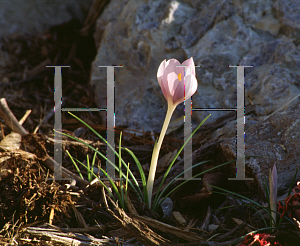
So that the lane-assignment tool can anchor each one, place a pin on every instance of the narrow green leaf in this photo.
(158, 200)
(94, 160)
(89, 169)
(74, 163)
(126, 187)
(120, 170)
(245, 198)
(115, 188)
(170, 166)
(94, 175)
(143, 177)
(253, 206)
(139, 193)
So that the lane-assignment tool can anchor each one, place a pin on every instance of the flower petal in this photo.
(165, 68)
(191, 69)
(172, 82)
(161, 70)
(274, 179)
(191, 85)
(170, 67)
(178, 96)
(177, 83)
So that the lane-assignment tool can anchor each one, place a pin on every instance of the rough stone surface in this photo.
(288, 12)
(263, 33)
(278, 139)
(24, 16)
(140, 34)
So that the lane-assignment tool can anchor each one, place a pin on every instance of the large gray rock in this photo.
(288, 12)
(140, 34)
(278, 139)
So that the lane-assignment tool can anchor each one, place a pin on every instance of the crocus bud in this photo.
(173, 82)
(273, 191)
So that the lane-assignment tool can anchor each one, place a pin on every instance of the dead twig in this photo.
(226, 235)
(13, 124)
(137, 228)
(188, 236)
(67, 238)
(10, 119)
(21, 121)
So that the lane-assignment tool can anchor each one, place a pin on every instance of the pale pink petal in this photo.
(173, 81)
(190, 86)
(160, 77)
(190, 62)
(178, 96)
(161, 71)
(164, 88)
(170, 67)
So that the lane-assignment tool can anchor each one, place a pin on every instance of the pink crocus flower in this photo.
(176, 87)
(172, 80)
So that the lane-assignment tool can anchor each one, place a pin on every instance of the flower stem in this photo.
(156, 150)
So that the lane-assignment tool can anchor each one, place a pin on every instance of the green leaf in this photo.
(115, 188)
(246, 198)
(169, 168)
(126, 186)
(253, 206)
(96, 177)
(143, 177)
(89, 169)
(94, 160)
(158, 200)
(120, 170)
(139, 192)
(74, 163)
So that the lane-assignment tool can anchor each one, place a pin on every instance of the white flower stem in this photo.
(156, 150)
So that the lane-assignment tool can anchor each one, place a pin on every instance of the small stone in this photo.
(79, 131)
(167, 207)
(5, 80)
(213, 227)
